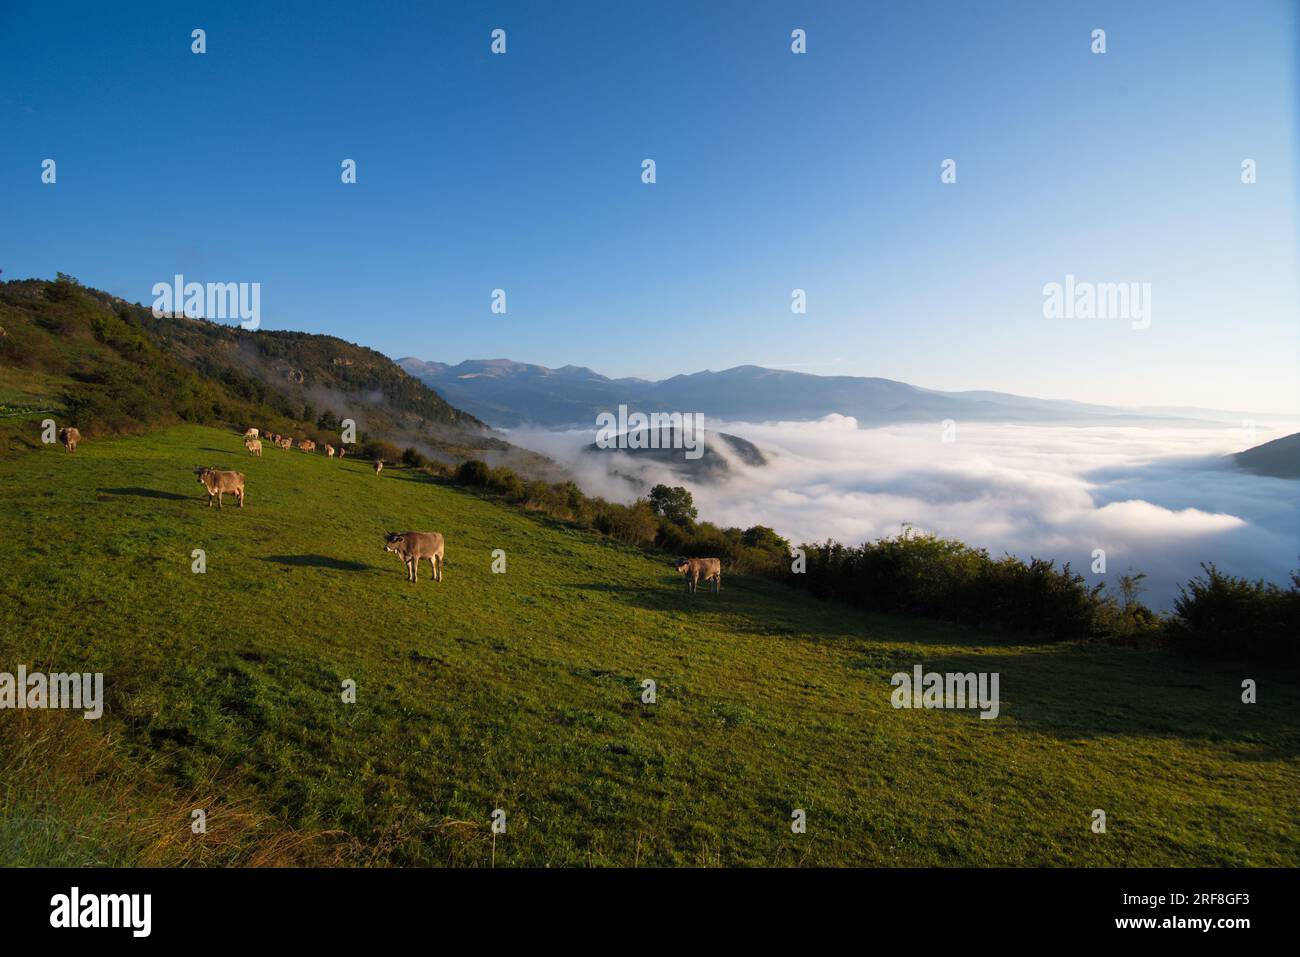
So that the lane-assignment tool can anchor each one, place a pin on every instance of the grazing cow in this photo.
(329, 450)
(710, 569)
(307, 445)
(254, 447)
(69, 437)
(218, 482)
(342, 451)
(285, 443)
(413, 546)
(251, 434)
(379, 466)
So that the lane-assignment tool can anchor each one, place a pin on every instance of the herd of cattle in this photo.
(411, 547)
(253, 442)
(218, 482)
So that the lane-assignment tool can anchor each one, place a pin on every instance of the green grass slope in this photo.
(522, 691)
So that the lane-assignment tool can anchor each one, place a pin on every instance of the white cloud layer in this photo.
(1158, 500)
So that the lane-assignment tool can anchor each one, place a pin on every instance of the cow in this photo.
(307, 445)
(329, 450)
(69, 437)
(710, 569)
(379, 466)
(285, 443)
(413, 546)
(342, 451)
(254, 447)
(218, 482)
(251, 433)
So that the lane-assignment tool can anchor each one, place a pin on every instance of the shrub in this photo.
(947, 579)
(505, 482)
(1219, 614)
(379, 449)
(634, 524)
(473, 472)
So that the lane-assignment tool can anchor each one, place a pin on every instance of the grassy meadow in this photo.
(522, 691)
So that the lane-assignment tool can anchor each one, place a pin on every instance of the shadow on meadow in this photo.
(140, 492)
(1071, 691)
(319, 561)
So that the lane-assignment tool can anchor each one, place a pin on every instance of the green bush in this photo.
(379, 449)
(506, 483)
(634, 524)
(947, 579)
(1222, 615)
(474, 473)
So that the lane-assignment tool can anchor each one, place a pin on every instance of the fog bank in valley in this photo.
(1158, 500)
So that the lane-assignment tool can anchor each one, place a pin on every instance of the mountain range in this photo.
(510, 394)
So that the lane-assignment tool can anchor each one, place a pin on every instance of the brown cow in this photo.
(329, 450)
(254, 447)
(69, 437)
(710, 569)
(307, 445)
(285, 443)
(218, 482)
(379, 466)
(413, 546)
(342, 451)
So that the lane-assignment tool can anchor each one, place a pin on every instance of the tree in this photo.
(473, 472)
(1130, 587)
(760, 536)
(674, 504)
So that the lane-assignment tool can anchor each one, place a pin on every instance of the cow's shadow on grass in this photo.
(319, 561)
(139, 492)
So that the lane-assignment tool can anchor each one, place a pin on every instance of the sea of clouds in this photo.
(1159, 500)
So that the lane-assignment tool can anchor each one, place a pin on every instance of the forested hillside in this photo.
(109, 367)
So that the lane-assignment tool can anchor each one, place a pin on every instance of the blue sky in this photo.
(775, 171)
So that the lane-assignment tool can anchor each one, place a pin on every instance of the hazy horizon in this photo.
(1293, 416)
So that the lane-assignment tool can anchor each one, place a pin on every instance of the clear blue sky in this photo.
(775, 171)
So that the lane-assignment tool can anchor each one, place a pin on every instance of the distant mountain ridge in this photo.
(510, 394)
